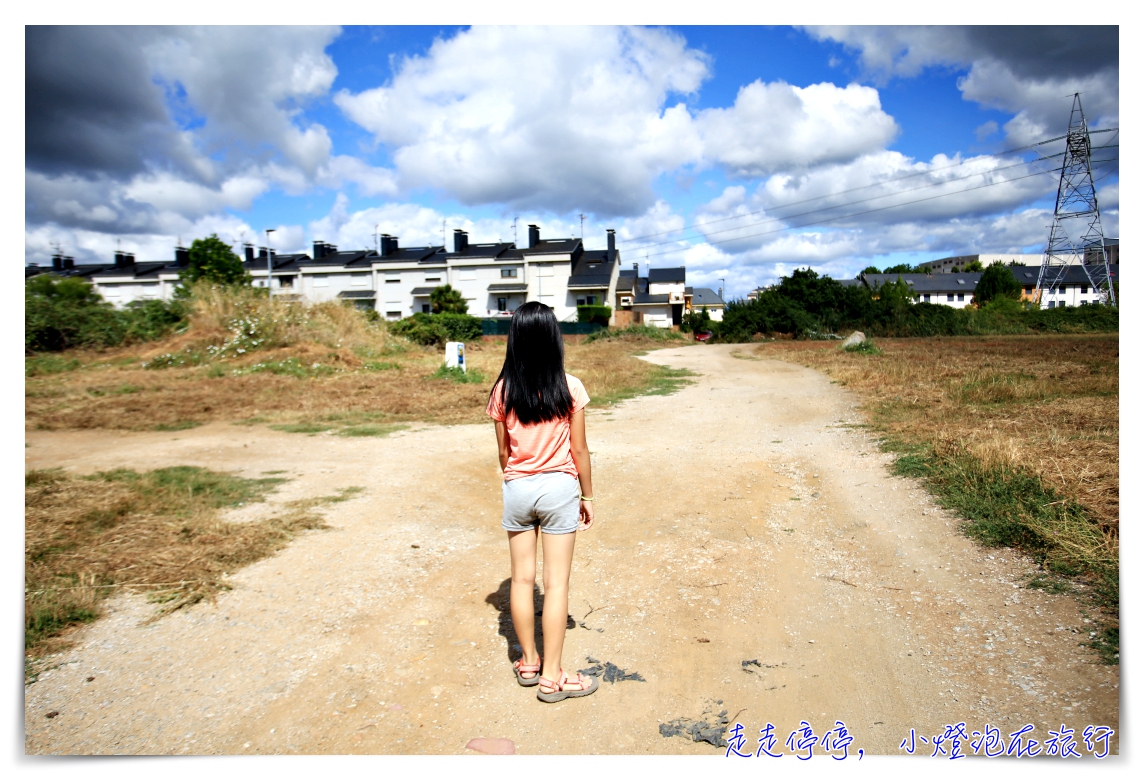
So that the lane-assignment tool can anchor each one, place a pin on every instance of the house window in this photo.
(961, 296)
(502, 304)
(432, 278)
(508, 273)
(1084, 290)
(949, 297)
(580, 302)
(1028, 291)
(1052, 304)
(393, 280)
(466, 274)
(321, 280)
(285, 281)
(926, 297)
(426, 308)
(591, 300)
(393, 315)
(359, 280)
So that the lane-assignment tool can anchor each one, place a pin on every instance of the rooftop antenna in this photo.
(443, 242)
(514, 231)
(1076, 236)
(581, 227)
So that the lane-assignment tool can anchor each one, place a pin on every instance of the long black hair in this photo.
(532, 383)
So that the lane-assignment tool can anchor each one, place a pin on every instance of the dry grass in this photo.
(308, 383)
(158, 532)
(1046, 404)
(1017, 434)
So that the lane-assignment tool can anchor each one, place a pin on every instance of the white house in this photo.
(396, 281)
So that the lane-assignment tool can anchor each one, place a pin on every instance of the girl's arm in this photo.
(583, 461)
(502, 444)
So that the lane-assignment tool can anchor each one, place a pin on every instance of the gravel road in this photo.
(753, 561)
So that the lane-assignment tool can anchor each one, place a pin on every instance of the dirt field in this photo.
(752, 557)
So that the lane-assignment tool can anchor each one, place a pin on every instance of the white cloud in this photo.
(558, 119)
(1029, 71)
(776, 126)
(250, 84)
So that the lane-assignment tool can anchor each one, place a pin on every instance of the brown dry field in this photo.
(1049, 404)
(752, 556)
(112, 391)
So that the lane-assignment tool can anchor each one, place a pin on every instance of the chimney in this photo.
(262, 253)
(69, 263)
(319, 250)
(388, 245)
(533, 236)
(128, 259)
(182, 256)
(611, 246)
(249, 253)
(460, 240)
(118, 260)
(58, 262)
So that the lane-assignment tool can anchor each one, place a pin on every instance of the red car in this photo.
(704, 336)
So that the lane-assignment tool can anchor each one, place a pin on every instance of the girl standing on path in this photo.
(539, 414)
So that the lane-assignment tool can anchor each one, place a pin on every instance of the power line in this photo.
(875, 184)
(856, 202)
(856, 214)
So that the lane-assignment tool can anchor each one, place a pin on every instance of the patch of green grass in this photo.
(178, 425)
(1008, 507)
(302, 427)
(273, 472)
(635, 333)
(44, 364)
(1107, 644)
(170, 488)
(663, 381)
(369, 430)
(866, 347)
(472, 377)
(120, 390)
(375, 365)
(80, 530)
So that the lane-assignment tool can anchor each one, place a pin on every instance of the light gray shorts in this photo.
(551, 499)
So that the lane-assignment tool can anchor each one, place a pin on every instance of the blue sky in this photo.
(707, 137)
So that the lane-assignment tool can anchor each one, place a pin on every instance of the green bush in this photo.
(597, 314)
(446, 300)
(997, 281)
(429, 329)
(806, 305)
(62, 313)
(696, 321)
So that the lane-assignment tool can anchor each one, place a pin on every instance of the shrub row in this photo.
(806, 305)
(63, 313)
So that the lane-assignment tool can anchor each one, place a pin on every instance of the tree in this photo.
(446, 300)
(973, 266)
(900, 268)
(62, 313)
(997, 281)
(212, 260)
(870, 269)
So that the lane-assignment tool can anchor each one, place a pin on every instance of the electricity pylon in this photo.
(1076, 237)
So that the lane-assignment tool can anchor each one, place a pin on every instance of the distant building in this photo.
(661, 298)
(956, 290)
(396, 281)
(948, 265)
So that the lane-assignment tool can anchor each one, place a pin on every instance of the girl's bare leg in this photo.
(522, 549)
(557, 571)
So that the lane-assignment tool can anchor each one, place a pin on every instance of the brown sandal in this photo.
(561, 693)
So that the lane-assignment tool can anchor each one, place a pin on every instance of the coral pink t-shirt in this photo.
(542, 447)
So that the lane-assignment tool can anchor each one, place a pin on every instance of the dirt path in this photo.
(741, 520)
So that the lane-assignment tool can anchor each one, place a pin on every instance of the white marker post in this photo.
(455, 355)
